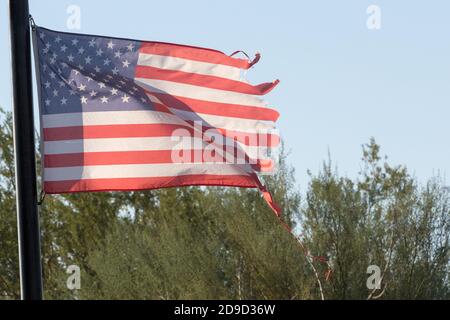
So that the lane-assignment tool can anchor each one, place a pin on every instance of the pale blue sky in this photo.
(341, 82)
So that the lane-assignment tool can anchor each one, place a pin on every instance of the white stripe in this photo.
(191, 66)
(199, 93)
(109, 118)
(136, 144)
(142, 171)
(216, 121)
(229, 123)
(179, 117)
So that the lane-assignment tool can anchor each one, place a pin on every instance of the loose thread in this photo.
(311, 258)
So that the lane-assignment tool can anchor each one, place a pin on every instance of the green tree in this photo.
(71, 226)
(382, 218)
(9, 258)
(209, 243)
(225, 243)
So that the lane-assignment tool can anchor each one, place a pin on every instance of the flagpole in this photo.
(24, 148)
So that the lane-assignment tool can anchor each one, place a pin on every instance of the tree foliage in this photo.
(225, 243)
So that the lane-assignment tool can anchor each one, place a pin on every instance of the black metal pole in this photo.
(26, 193)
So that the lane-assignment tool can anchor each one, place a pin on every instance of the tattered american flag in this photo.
(119, 114)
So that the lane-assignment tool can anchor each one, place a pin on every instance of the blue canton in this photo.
(82, 73)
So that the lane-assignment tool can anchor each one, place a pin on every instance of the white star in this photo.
(97, 69)
(64, 65)
(74, 42)
(93, 93)
(80, 67)
(63, 48)
(88, 60)
(55, 93)
(58, 39)
(61, 84)
(89, 79)
(126, 64)
(106, 62)
(114, 91)
(118, 54)
(63, 101)
(84, 100)
(99, 52)
(41, 35)
(48, 45)
(125, 99)
(72, 92)
(70, 58)
(104, 99)
(130, 47)
(81, 50)
(47, 85)
(92, 43)
(111, 45)
(47, 102)
(115, 71)
(82, 87)
(101, 85)
(52, 75)
(143, 100)
(52, 60)
(45, 50)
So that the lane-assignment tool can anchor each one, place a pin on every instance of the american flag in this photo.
(121, 115)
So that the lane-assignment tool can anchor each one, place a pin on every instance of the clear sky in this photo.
(341, 83)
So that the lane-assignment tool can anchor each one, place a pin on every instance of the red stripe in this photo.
(110, 158)
(111, 131)
(136, 184)
(148, 157)
(151, 130)
(203, 80)
(193, 53)
(217, 108)
(251, 139)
